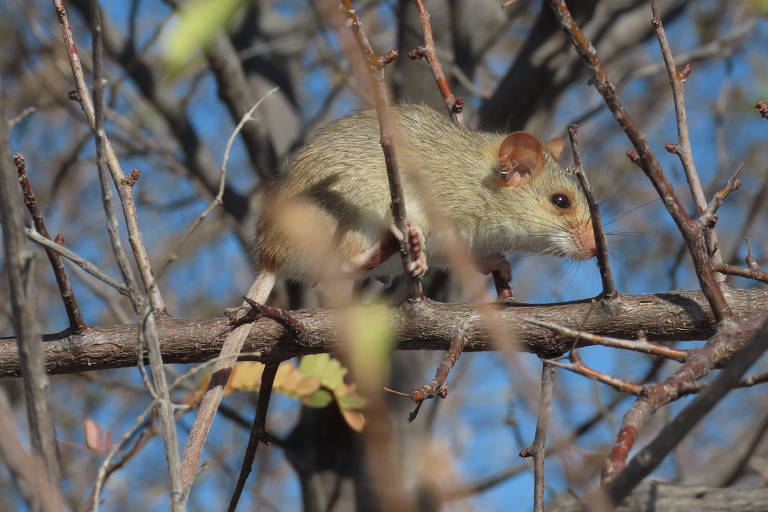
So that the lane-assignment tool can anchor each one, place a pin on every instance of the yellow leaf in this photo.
(355, 419)
(246, 376)
(283, 372)
(292, 378)
(307, 386)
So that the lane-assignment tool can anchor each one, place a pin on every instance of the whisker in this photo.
(643, 205)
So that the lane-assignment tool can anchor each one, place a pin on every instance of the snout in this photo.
(584, 240)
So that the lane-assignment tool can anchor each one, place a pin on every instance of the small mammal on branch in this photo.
(330, 216)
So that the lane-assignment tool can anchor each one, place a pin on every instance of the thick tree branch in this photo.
(679, 315)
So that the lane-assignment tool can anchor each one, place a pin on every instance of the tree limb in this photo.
(678, 315)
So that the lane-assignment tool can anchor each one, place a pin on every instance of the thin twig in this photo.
(577, 366)
(233, 344)
(749, 273)
(538, 449)
(27, 470)
(648, 162)
(77, 260)
(94, 113)
(258, 430)
(609, 288)
(708, 217)
(375, 66)
(222, 182)
(676, 81)
(24, 317)
(427, 51)
(636, 345)
(438, 386)
(104, 468)
(76, 322)
(113, 165)
(673, 432)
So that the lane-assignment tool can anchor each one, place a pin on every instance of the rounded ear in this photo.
(555, 146)
(520, 156)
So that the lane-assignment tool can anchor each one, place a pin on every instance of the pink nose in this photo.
(589, 244)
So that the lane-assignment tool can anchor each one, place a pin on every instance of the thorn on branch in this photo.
(294, 326)
(74, 95)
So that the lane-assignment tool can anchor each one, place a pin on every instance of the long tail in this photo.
(262, 287)
(233, 344)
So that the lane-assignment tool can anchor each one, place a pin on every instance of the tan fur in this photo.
(333, 201)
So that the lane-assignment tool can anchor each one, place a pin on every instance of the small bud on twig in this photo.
(458, 105)
(417, 53)
(762, 107)
(387, 58)
(132, 178)
(683, 73)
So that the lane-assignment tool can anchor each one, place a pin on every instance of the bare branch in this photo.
(428, 51)
(648, 162)
(24, 315)
(640, 345)
(609, 288)
(375, 67)
(77, 260)
(538, 449)
(76, 322)
(756, 342)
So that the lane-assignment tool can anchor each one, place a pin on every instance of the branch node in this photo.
(417, 53)
(634, 157)
(682, 74)
(132, 178)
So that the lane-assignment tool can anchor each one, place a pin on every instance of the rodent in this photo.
(503, 192)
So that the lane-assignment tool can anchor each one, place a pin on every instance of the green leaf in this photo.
(198, 23)
(371, 335)
(354, 401)
(329, 370)
(318, 399)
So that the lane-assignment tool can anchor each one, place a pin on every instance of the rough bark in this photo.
(671, 316)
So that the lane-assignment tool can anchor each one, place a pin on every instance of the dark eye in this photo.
(560, 200)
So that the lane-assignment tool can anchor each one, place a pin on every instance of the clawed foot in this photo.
(417, 267)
